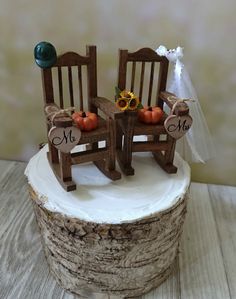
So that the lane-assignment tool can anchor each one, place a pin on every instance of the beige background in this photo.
(205, 29)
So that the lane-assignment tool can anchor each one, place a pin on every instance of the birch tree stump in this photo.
(119, 238)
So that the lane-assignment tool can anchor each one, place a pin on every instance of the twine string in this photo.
(177, 101)
(54, 114)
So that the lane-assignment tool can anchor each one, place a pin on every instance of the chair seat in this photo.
(150, 144)
(99, 134)
(149, 129)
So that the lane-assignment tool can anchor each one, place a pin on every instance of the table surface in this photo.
(206, 266)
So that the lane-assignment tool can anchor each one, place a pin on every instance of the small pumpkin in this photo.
(85, 121)
(150, 115)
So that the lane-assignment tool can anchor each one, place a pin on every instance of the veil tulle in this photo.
(196, 146)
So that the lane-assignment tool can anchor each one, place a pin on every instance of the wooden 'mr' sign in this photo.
(64, 139)
(177, 126)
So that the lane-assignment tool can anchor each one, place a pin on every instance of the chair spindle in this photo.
(151, 83)
(60, 87)
(141, 80)
(70, 86)
(133, 76)
(80, 88)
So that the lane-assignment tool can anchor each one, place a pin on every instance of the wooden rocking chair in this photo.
(158, 141)
(69, 69)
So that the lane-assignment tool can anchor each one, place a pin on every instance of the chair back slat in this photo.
(92, 76)
(80, 88)
(65, 84)
(60, 87)
(141, 80)
(162, 80)
(148, 84)
(133, 76)
(151, 83)
(47, 83)
(70, 86)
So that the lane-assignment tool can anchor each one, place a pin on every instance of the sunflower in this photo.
(133, 103)
(126, 94)
(122, 103)
(127, 100)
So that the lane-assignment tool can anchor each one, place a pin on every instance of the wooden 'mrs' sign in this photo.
(64, 139)
(177, 126)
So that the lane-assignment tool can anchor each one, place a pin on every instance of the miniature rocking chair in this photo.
(157, 140)
(68, 69)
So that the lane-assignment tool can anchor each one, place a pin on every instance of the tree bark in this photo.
(127, 259)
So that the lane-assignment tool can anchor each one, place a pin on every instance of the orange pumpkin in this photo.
(85, 121)
(150, 115)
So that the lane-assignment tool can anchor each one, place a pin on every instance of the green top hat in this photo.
(45, 55)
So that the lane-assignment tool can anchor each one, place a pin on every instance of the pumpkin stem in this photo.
(149, 108)
(83, 114)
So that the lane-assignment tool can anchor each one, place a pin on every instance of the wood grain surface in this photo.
(206, 267)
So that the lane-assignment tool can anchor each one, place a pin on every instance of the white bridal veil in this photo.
(196, 145)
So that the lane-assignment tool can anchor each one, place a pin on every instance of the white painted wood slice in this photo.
(64, 139)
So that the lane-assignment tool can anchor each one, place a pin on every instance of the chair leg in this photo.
(118, 135)
(65, 167)
(124, 153)
(108, 165)
(111, 160)
(170, 154)
(53, 152)
(166, 160)
(61, 167)
(63, 173)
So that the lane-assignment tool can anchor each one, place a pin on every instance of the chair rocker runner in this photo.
(158, 141)
(67, 70)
